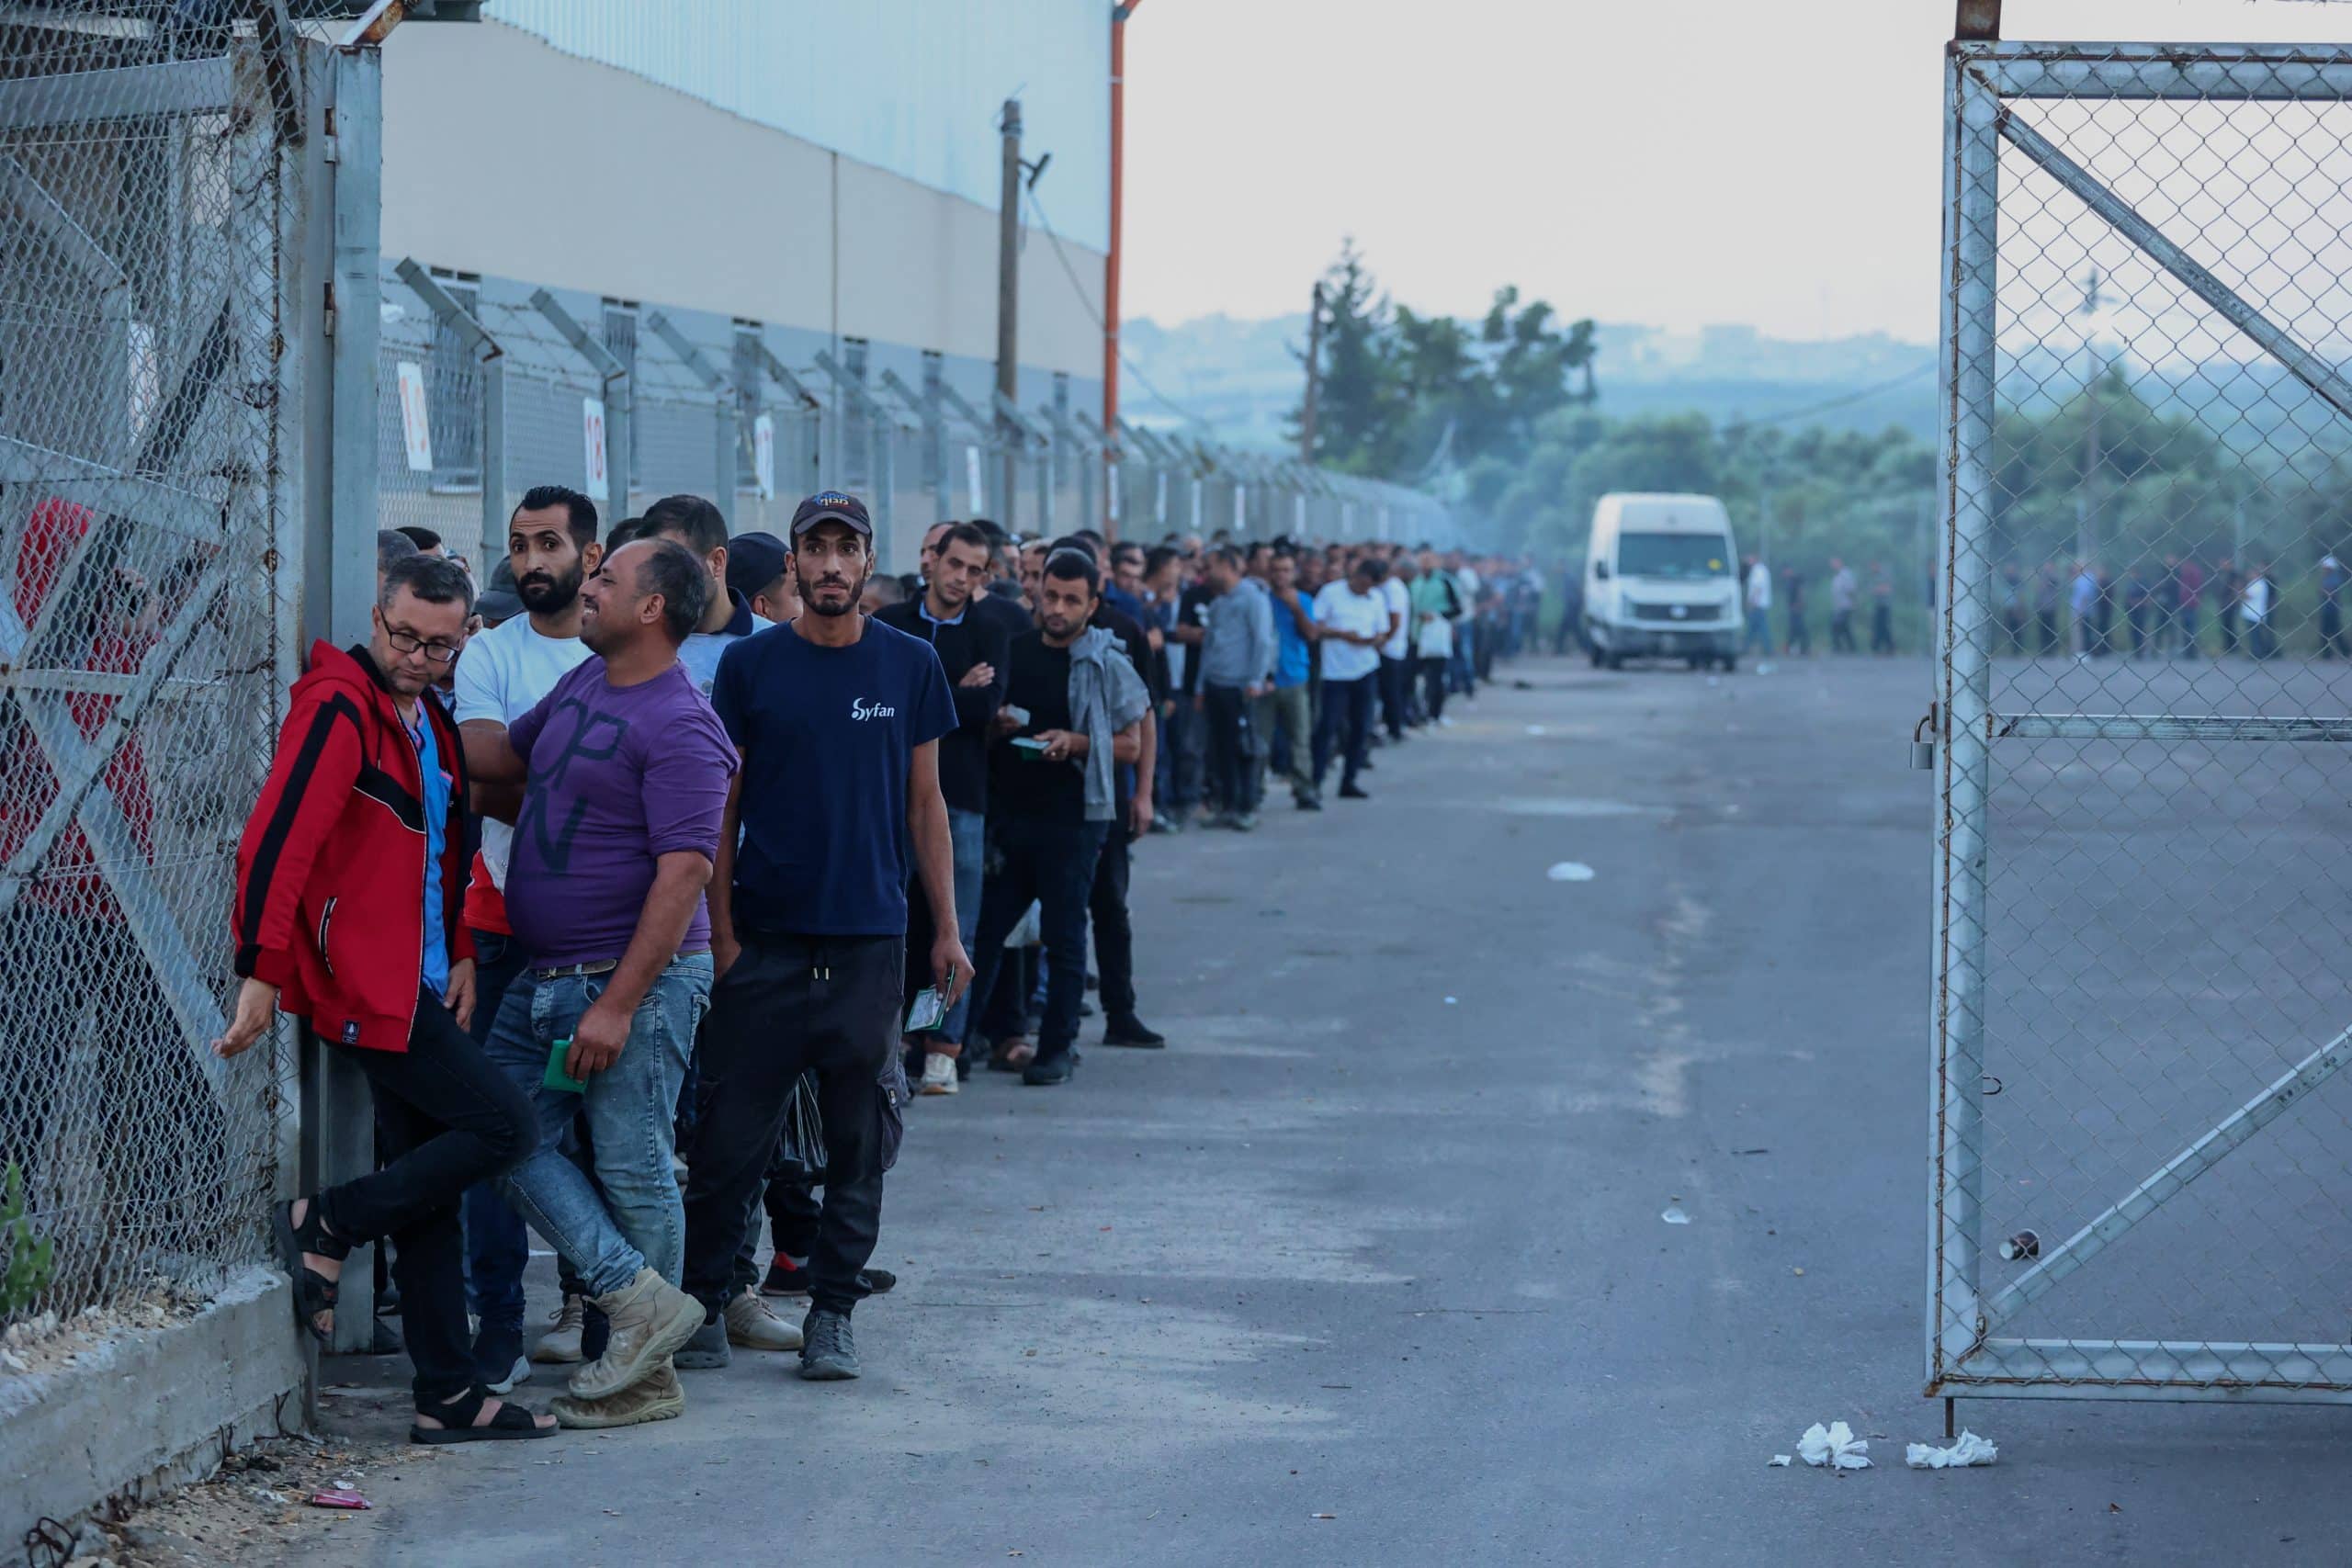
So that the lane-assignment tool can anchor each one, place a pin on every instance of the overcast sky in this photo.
(1670, 161)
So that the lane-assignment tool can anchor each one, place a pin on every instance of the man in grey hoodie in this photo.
(1074, 706)
(1238, 653)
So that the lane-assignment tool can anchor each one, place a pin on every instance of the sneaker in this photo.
(1046, 1071)
(1307, 802)
(499, 1361)
(753, 1324)
(651, 1318)
(561, 1345)
(786, 1278)
(1245, 823)
(877, 1282)
(657, 1396)
(1131, 1030)
(1354, 792)
(938, 1074)
(709, 1350)
(830, 1353)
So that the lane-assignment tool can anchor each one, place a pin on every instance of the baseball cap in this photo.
(753, 561)
(498, 605)
(832, 506)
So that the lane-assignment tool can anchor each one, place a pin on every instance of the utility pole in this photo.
(1007, 302)
(1314, 375)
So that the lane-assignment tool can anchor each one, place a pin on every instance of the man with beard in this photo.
(624, 774)
(550, 548)
(838, 719)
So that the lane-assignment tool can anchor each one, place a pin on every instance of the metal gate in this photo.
(149, 575)
(2140, 1168)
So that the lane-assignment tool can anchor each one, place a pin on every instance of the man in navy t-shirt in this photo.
(838, 719)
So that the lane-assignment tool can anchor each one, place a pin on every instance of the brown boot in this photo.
(654, 1397)
(651, 1318)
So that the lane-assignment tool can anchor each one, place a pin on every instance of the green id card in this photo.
(557, 1078)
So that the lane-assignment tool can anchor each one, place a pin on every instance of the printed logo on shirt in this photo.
(351, 1032)
(859, 709)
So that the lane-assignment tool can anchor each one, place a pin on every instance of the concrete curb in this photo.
(150, 1410)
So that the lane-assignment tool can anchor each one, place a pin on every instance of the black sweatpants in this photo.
(1431, 669)
(447, 1117)
(1233, 759)
(791, 1004)
(1114, 935)
(1392, 695)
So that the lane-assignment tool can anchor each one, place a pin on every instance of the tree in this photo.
(1357, 405)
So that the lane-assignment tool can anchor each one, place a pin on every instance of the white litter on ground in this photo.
(1449, 1001)
(1571, 871)
(1780, 1462)
(1970, 1449)
(1534, 729)
(1834, 1447)
(1675, 1216)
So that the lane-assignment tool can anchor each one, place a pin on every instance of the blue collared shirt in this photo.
(437, 789)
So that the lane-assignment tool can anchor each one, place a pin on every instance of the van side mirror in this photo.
(1600, 569)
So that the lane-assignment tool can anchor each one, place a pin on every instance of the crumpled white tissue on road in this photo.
(1970, 1449)
(1780, 1462)
(1834, 1446)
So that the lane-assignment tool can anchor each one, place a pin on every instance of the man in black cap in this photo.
(755, 569)
(838, 719)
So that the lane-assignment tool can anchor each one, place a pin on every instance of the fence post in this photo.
(339, 1140)
(1972, 196)
(616, 396)
(492, 365)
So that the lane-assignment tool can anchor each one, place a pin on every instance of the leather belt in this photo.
(566, 971)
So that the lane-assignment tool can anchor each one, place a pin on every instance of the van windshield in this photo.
(1676, 556)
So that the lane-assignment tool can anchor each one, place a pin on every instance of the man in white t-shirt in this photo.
(700, 526)
(1759, 607)
(1397, 592)
(551, 548)
(1351, 620)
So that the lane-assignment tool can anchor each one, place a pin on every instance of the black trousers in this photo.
(1051, 864)
(447, 1117)
(1431, 671)
(1114, 933)
(1345, 718)
(1233, 762)
(1392, 695)
(788, 1005)
(1881, 630)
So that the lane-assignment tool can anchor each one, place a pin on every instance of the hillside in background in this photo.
(1244, 378)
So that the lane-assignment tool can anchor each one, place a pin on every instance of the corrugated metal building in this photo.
(821, 175)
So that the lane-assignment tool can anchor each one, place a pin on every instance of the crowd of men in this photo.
(606, 877)
(2160, 609)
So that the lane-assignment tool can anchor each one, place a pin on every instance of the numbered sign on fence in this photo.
(416, 430)
(1240, 508)
(1160, 498)
(1111, 489)
(763, 455)
(591, 424)
(972, 481)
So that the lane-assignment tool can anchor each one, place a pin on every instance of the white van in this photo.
(1661, 581)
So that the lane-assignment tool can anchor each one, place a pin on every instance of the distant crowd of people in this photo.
(646, 885)
(2160, 610)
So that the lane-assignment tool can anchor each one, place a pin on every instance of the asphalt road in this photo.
(1370, 1267)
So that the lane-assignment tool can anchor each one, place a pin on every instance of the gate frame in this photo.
(1964, 1357)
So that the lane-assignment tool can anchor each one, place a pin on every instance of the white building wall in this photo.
(909, 86)
(506, 156)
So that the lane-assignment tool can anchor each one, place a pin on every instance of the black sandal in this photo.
(511, 1424)
(313, 1292)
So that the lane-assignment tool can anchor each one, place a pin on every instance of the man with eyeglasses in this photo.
(347, 917)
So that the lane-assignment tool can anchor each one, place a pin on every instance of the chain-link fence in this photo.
(148, 570)
(2142, 1166)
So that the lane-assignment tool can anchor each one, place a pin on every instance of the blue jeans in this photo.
(630, 1108)
(968, 831)
(1759, 632)
(497, 1246)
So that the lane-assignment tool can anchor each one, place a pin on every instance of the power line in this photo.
(1086, 303)
(1837, 403)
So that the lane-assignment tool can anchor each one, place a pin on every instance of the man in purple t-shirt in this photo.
(625, 771)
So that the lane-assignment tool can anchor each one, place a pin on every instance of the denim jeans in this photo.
(630, 1107)
(967, 832)
(1052, 865)
(497, 1246)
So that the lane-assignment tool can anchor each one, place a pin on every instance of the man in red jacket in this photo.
(349, 877)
